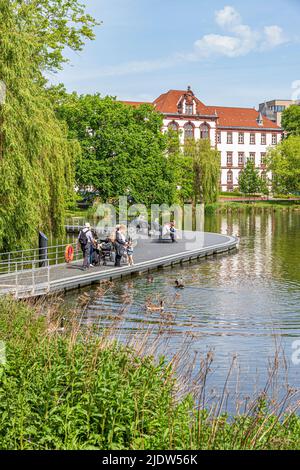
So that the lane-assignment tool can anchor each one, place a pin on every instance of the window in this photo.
(204, 131)
(264, 175)
(252, 157)
(263, 139)
(229, 177)
(252, 139)
(229, 137)
(262, 159)
(189, 109)
(219, 138)
(188, 131)
(241, 158)
(173, 126)
(241, 138)
(229, 158)
(274, 139)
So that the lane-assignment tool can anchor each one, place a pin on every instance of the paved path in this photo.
(148, 255)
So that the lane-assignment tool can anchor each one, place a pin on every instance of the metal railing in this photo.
(32, 281)
(25, 259)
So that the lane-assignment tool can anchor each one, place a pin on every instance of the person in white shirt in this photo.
(86, 241)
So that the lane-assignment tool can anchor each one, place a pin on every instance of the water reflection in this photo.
(238, 304)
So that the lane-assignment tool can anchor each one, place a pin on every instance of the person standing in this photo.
(173, 232)
(86, 241)
(130, 253)
(120, 244)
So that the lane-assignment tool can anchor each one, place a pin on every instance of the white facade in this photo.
(235, 155)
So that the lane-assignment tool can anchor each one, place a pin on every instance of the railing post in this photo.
(48, 279)
(33, 282)
(17, 284)
(43, 248)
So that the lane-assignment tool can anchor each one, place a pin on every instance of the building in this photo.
(238, 133)
(273, 109)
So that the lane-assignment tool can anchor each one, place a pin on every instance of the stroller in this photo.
(107, 252)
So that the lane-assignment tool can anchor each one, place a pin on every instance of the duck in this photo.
(179, 284)
(156, 308)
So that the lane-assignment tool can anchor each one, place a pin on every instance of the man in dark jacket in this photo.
(86, 240)
(120, 245)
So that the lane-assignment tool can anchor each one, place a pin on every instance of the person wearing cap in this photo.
(86, 241)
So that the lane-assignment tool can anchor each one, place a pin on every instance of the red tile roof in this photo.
(168, 103)
(241, 117)
(228, 117)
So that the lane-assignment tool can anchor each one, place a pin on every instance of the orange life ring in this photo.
(69, 253)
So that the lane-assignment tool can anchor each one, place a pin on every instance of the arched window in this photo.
(204, 131)
(229, 177)
(188, 131)
(173, 126)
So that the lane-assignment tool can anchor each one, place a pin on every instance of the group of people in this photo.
(114, 248)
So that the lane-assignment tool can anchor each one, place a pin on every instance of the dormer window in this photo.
(189, 109)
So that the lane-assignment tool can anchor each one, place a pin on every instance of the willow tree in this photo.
(206, 164)
(37, 158)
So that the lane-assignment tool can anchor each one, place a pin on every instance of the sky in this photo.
(231, 53)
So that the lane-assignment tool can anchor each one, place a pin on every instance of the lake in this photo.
(244, 305)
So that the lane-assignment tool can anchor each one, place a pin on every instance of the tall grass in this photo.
(68, 387)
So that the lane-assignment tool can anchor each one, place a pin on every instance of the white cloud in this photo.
(274, 36)
(227, 17)
(242, 41)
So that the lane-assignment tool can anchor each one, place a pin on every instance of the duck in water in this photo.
(179, 284)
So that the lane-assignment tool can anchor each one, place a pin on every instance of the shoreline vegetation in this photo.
(66, 385)
(221, 207)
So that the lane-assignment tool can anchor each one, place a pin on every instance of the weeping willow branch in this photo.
(36, 168)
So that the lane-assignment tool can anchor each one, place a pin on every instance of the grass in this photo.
(258, 206)
(75, 389)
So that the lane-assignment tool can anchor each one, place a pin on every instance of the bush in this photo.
(80, 391)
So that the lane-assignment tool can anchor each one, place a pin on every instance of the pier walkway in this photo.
(148, 255)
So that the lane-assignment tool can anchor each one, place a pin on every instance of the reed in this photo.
(70, 385)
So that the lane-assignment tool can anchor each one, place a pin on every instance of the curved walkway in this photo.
(148, 255)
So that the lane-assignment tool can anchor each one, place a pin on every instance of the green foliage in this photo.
(52, 25)
(37, 159)
(250, 181)
(291, 120)
(284, 162)
(123, 149)
(206, 170)
(79, 391)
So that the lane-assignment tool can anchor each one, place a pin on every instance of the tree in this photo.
(291, 120)
(37, 163)
(206, 164)
(123, 149)
(284, 162)
(250, 181)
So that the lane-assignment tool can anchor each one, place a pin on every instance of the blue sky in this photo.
(229, 52)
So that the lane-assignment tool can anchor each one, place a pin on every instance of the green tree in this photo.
(123, 149)
(291, 120)
(250, 181)
(284, 162)
(205, 162)
(37, 158)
